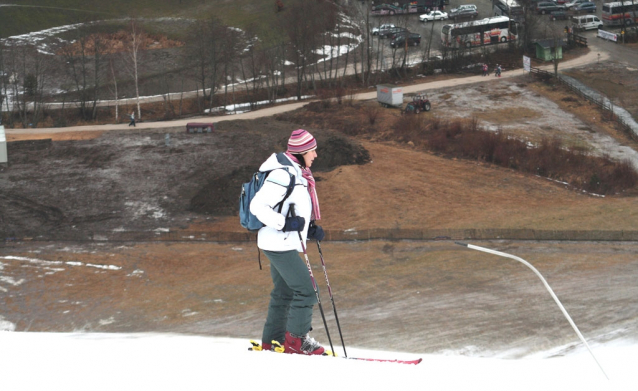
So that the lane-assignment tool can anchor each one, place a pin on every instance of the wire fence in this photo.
(607, 107)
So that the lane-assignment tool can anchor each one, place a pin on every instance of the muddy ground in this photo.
(406, 296)
(414, 296)
(130, 181)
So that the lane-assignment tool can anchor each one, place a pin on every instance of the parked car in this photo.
(385, 9)
(392, 32)
(382, 28)
(585, 8)
(573, 3)
(466, 13)
(433, 15)
(413, 40)
(586, 22)
(559, 15)
(464, 6)
(545, 7)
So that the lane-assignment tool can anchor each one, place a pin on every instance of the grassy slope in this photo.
(42, 14)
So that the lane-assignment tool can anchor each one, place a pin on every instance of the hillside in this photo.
(23, 16)
(133, 182)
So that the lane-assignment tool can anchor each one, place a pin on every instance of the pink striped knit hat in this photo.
(301, 142)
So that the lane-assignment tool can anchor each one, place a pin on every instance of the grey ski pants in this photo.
(292, 297)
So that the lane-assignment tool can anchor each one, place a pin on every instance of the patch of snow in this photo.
(11, 281)
(135, 273)
(5, 325)
(105, 322)
(142, 209)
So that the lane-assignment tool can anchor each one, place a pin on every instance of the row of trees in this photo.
(30, 77)
(216, 61)
(88, 71)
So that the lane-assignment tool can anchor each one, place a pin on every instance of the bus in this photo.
(619, 13)
(424, 5)
(509, 8)
(480, 32)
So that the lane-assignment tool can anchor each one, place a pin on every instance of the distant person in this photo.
(293, 296)
(485, 69)
(132, 117)
(498, 70)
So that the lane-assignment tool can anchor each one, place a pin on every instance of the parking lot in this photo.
(431, 31)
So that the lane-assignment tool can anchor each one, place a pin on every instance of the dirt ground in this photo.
(616, 80)
(414, 296)
(421, 297)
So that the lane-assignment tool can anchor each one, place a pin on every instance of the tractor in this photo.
(420, 102)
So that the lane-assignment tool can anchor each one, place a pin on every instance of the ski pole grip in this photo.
(291, 209)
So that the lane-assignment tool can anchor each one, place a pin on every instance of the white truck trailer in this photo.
(389, 95)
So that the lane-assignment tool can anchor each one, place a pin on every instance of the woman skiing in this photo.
(292, 298)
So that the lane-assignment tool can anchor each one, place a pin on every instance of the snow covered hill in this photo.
(157, 362)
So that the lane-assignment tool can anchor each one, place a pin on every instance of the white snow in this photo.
(158, 362)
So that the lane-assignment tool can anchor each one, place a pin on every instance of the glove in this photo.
(294, 223)
(315, 232)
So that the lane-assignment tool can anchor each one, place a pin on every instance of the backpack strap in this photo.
(289, 189)
(283, 160)
(258, 251)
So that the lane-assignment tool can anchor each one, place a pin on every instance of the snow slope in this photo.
(157, 362)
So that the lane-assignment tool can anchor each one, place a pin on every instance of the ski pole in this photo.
(334, 307)
(312, 278)
(549, 289)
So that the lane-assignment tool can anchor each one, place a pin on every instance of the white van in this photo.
(586, 22)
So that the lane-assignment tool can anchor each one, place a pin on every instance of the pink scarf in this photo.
(307, 174)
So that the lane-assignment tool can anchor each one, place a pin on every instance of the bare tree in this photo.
(3, 81)
(9, 88)
(18, 82)
(553, 34)
(304, 33)
(300, 34)
(197, 54)
(29, 73)
(97, 71)
(252, 68)
(367, 50)
(531, 23)
(230, 43)
(134, 44)
(205, 54)
(273, 60)
(83, 63)
(114, 90)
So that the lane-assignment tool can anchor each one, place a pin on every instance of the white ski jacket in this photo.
(271, 237)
